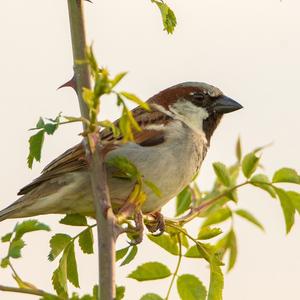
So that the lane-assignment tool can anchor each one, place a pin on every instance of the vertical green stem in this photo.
(177, 267)
(104, 214)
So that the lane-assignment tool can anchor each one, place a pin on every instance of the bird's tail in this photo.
(14, 210)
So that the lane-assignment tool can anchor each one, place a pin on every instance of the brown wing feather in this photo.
(74, 158)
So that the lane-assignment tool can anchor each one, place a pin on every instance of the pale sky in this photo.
(249, 49)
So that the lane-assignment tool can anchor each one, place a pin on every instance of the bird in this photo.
(168, 151)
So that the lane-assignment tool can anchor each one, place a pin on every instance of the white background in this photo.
(249, 49)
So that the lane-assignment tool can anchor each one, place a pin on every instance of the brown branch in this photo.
(97, 170)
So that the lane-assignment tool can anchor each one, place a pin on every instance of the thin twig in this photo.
(177, 266)
(36, 292)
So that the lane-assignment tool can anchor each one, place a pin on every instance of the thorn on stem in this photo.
(71, 83)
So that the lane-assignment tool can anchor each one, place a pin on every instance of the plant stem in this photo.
(104, 214)
(204, 205)
(177, 267)
(36, 292)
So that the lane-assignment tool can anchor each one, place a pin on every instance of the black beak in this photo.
(225, 105)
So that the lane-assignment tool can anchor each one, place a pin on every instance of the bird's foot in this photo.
(135, 233)
(156, 223)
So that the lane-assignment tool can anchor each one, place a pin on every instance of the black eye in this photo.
(197, 96)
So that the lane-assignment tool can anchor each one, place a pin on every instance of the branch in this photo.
(36, 292)
(95, 157)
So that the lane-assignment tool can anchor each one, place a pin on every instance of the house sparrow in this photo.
(168, 152)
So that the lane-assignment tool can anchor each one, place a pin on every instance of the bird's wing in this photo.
(74, 158)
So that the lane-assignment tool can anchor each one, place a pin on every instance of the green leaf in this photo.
(168, 16)
(74, 220)
(4, 262)
(295, 197)
(29, 226)
(40, 124)
(206, 233)
(35, 147)
(249, 217)
(183, 201)
(222, 173)
(57, 244)
(121, 253)
(153, 187)
(238, 150)
(232, 246)
(15, 248)
(190, 288)
(132, 254)
(217, 216)
(287, 208)
(216, 282)
(193, 252)
(165, 242)
(263, 182)
(59, 280)
(286, 175)
(72, 272)
(120, 292)
(150, 271)
(6, 238)
(117, 79)
(151, 296)
(125, 166)
(86, 241)
(135, 99)
(250, 164)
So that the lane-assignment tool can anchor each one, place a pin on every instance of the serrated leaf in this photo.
(217, 216)
(120, 292)
(117, 79)
(286, 175)
(7, 237)
(190, 288)
(150, 271)
(121, 253)
(222, 173)
(287, 208)
(263, 182)
(59, 281)
(86, 241)
(72, 272)
(165, 242)
(74, 220)
(57, 244)
(168, 16)
(29, 226)
(250, 164)
(35, 147)
(193, 252)
(238, 149)
(136, 99)
(295, 197)
(15, 248)
(232, 246)
(132, 254)
(206, 233)
(153, 187)
(249, 217)
(151, 296)
(216, 282)
(183, 201)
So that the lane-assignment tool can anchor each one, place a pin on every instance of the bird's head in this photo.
(198, 102)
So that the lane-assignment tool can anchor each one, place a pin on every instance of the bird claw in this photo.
(156, 226)
(138, 230)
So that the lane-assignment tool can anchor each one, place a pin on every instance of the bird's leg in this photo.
(156, 223)
(139, 228)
